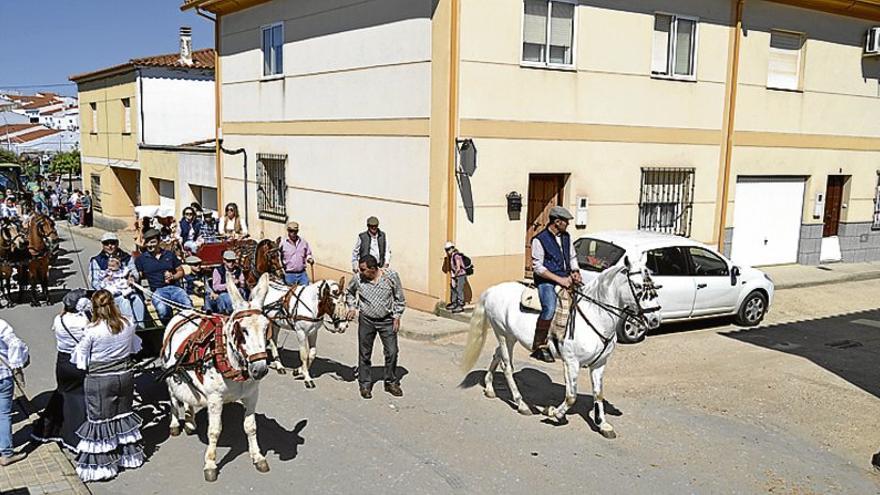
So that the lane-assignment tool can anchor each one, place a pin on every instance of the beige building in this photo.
(133, 117)
(745, 124)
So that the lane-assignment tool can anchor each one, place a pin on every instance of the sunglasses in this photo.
(109, 243)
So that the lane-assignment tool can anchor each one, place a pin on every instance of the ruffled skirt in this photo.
(110, 438)
(66, 409)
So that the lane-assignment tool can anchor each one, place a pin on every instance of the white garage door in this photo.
(767, 220)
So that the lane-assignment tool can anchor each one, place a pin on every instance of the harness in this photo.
(621, 312)
(207, 346)
(290, 318)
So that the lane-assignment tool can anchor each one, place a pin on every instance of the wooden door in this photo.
(833, 203)
(545, 192)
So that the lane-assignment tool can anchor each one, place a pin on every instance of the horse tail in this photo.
(479, 326)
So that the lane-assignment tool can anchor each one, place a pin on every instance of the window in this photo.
(707, 263)
(876, 224)
(126, 115)
(165, 188)
(273, 49)
(96, 192)
(93, 109)
(595, 255)
(271, 187)
(784, 68)
(675, 46)
(667, 262)
(666, 200)
(205, 196)
(548, 32)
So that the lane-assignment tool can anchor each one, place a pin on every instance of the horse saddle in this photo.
(530, 302)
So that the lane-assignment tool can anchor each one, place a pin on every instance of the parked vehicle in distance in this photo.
(696, 281)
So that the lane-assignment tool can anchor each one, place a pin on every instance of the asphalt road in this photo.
(786, 408)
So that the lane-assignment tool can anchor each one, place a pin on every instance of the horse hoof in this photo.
(281, 371)
(211, 474)
(550, 412)
(310, 384)
(524, 410)
(175, 431)
(297, 373)
(262, 466)
(190, 430)
(490, 394)
(607, 432)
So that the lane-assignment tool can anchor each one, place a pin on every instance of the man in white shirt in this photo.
(373, 242)
(10, 209)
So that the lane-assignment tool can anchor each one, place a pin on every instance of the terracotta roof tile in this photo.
(12, 128)
(31, 136)
(202, 59)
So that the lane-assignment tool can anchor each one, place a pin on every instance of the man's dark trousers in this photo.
(367, 330)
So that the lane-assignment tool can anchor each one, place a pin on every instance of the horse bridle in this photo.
(238, 336)
(649, 292)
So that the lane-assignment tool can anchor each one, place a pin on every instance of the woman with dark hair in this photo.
(66, 410)
(231, 224)
(110, 438)
(190, 230)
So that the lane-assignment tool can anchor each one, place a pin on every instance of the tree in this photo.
(67, 162)
(8, 156)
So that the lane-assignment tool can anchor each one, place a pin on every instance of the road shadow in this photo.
(322, 366)
(540, 392)
(271, 435)
(152, 404)
(846, 345)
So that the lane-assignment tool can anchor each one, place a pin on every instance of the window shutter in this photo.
(535, 30)
(684, 47)
(267, 52)
(784, 62)
(660, 57)
(278, 46)
(561, 32)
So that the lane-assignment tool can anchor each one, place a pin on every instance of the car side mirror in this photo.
(734, 275)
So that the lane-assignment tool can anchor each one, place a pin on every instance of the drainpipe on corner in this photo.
(239, 151)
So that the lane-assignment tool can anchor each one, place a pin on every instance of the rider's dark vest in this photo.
(185, 227)
(222, 271)
(365, 246)
(102, 258)
(557, 261)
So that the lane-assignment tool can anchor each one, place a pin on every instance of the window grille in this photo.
(96, 193)
(271, 187)
(876, 223)
(666, 200)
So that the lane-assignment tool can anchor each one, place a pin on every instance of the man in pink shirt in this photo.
(295, 254)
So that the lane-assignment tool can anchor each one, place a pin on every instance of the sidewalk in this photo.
(46, 470)
(798, 276)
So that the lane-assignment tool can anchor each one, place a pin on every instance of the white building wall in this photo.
(177, 106)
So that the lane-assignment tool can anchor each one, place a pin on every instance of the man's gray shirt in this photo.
(377, 299)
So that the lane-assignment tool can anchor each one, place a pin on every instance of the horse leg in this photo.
(250, 429)
(215, 411)
(304, 357)
(313, 349)
(174, 426)
(45, 280)
(488, 385)
(507, 359)
(570, 369)
(605, 428)
(276, 363)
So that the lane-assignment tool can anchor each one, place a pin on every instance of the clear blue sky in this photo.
(46, 41)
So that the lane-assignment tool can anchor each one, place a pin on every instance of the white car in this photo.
(696, 281)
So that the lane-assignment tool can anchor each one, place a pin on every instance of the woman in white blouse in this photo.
(231, 224)
(110, 438)
(66, 410)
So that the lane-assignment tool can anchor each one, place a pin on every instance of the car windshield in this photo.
(595, 255)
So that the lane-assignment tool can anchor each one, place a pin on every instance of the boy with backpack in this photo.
(460, 267)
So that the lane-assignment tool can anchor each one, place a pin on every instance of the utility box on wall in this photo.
(581, 215)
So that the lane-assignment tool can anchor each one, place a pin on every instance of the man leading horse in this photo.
(554, 263)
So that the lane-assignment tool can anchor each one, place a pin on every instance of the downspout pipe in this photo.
(239, 151)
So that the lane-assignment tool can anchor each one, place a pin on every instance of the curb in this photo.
(854, 277)
(428, 337)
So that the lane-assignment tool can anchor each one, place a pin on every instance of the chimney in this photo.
(186, 52)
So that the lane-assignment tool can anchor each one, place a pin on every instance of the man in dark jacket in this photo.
(554, 263)
(373, 242)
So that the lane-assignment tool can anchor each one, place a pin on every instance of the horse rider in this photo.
(190, 230)
(163, 271)
(295, 254)
(131, 305)
(554, 263)
(9, 209)
(219, 300)
(373, 242)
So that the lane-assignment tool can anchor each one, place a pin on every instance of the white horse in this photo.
(244, 335)
(304, 310)
(620, 292)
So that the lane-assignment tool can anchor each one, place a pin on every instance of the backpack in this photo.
(468, 264)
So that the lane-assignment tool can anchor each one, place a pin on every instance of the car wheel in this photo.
(630, 333)
(753, 310)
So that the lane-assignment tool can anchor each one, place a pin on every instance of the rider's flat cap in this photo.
(150, 234)
(560, 212)
(109, 236)
(192, 260)
(292, 226)
(229, 255)
(372, 222)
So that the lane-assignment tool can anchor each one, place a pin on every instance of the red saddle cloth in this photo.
(204, 345)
